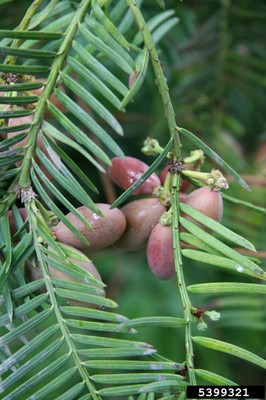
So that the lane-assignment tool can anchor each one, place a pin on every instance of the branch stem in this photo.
(158, 71)
(170, 116)
(181, 280)
(24, 180)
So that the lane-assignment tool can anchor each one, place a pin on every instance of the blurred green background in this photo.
(214, 60)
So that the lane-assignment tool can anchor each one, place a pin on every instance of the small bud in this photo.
(202, 326)
(196, 158)
(210, 182)
(151, 147)
(166, 218)
(220, 181)
(28, 78)
(53, 219)
(25, 194)
(40, 240)
(213, 315)
(163, 195)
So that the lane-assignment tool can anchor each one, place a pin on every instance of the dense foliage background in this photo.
(214, 59)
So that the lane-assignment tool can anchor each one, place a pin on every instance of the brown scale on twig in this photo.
(176, 166)
(198, 312)
(10, 78)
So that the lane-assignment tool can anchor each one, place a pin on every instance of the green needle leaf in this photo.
(94, 82)
(85, 297)
(230, 349)
(133, 365)
(24, 308)
(142, 377)
(92, 102)
(21, 87)
(106, 44)
(91, 313)
(169, 322)
(244, 262)
(89, 122)
(25, 327)
(161, 3)
(34, 380)
(214, 156)
(23, 291)
(244, 204)
(28, 366)
(157, 387)
(162, 30)
(56, 210)
(18, 100)
(50, 130)
(78, 134)
(215, 260)
(93, 326)
(15, 128)
(108, 342)
(196, 242)
(72, 393)
(228, 287)
(5, 144)
(42, 54)
(20, 69)
(71, 164)
(115, 352)
(43, 14)
(81, 287)
(217, 227)
(152, 24)
(36, 343)
(67, 181)
(213, 378)
(107, 50)
(34, 35)
(100, 69)
(108, 25)
(138, 82)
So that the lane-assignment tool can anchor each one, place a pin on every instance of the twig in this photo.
(161, 80)
(170, 116)
(249, 253)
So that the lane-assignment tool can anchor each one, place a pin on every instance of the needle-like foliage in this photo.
(68, 73)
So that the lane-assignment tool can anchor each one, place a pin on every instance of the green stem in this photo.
(24, 180)
(170, 115)
(181, 280)
(158, 71)
(203, 176)
(22, 27)
(58, 315)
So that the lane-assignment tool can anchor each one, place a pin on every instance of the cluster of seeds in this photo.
(141, 222)
(143, 226)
